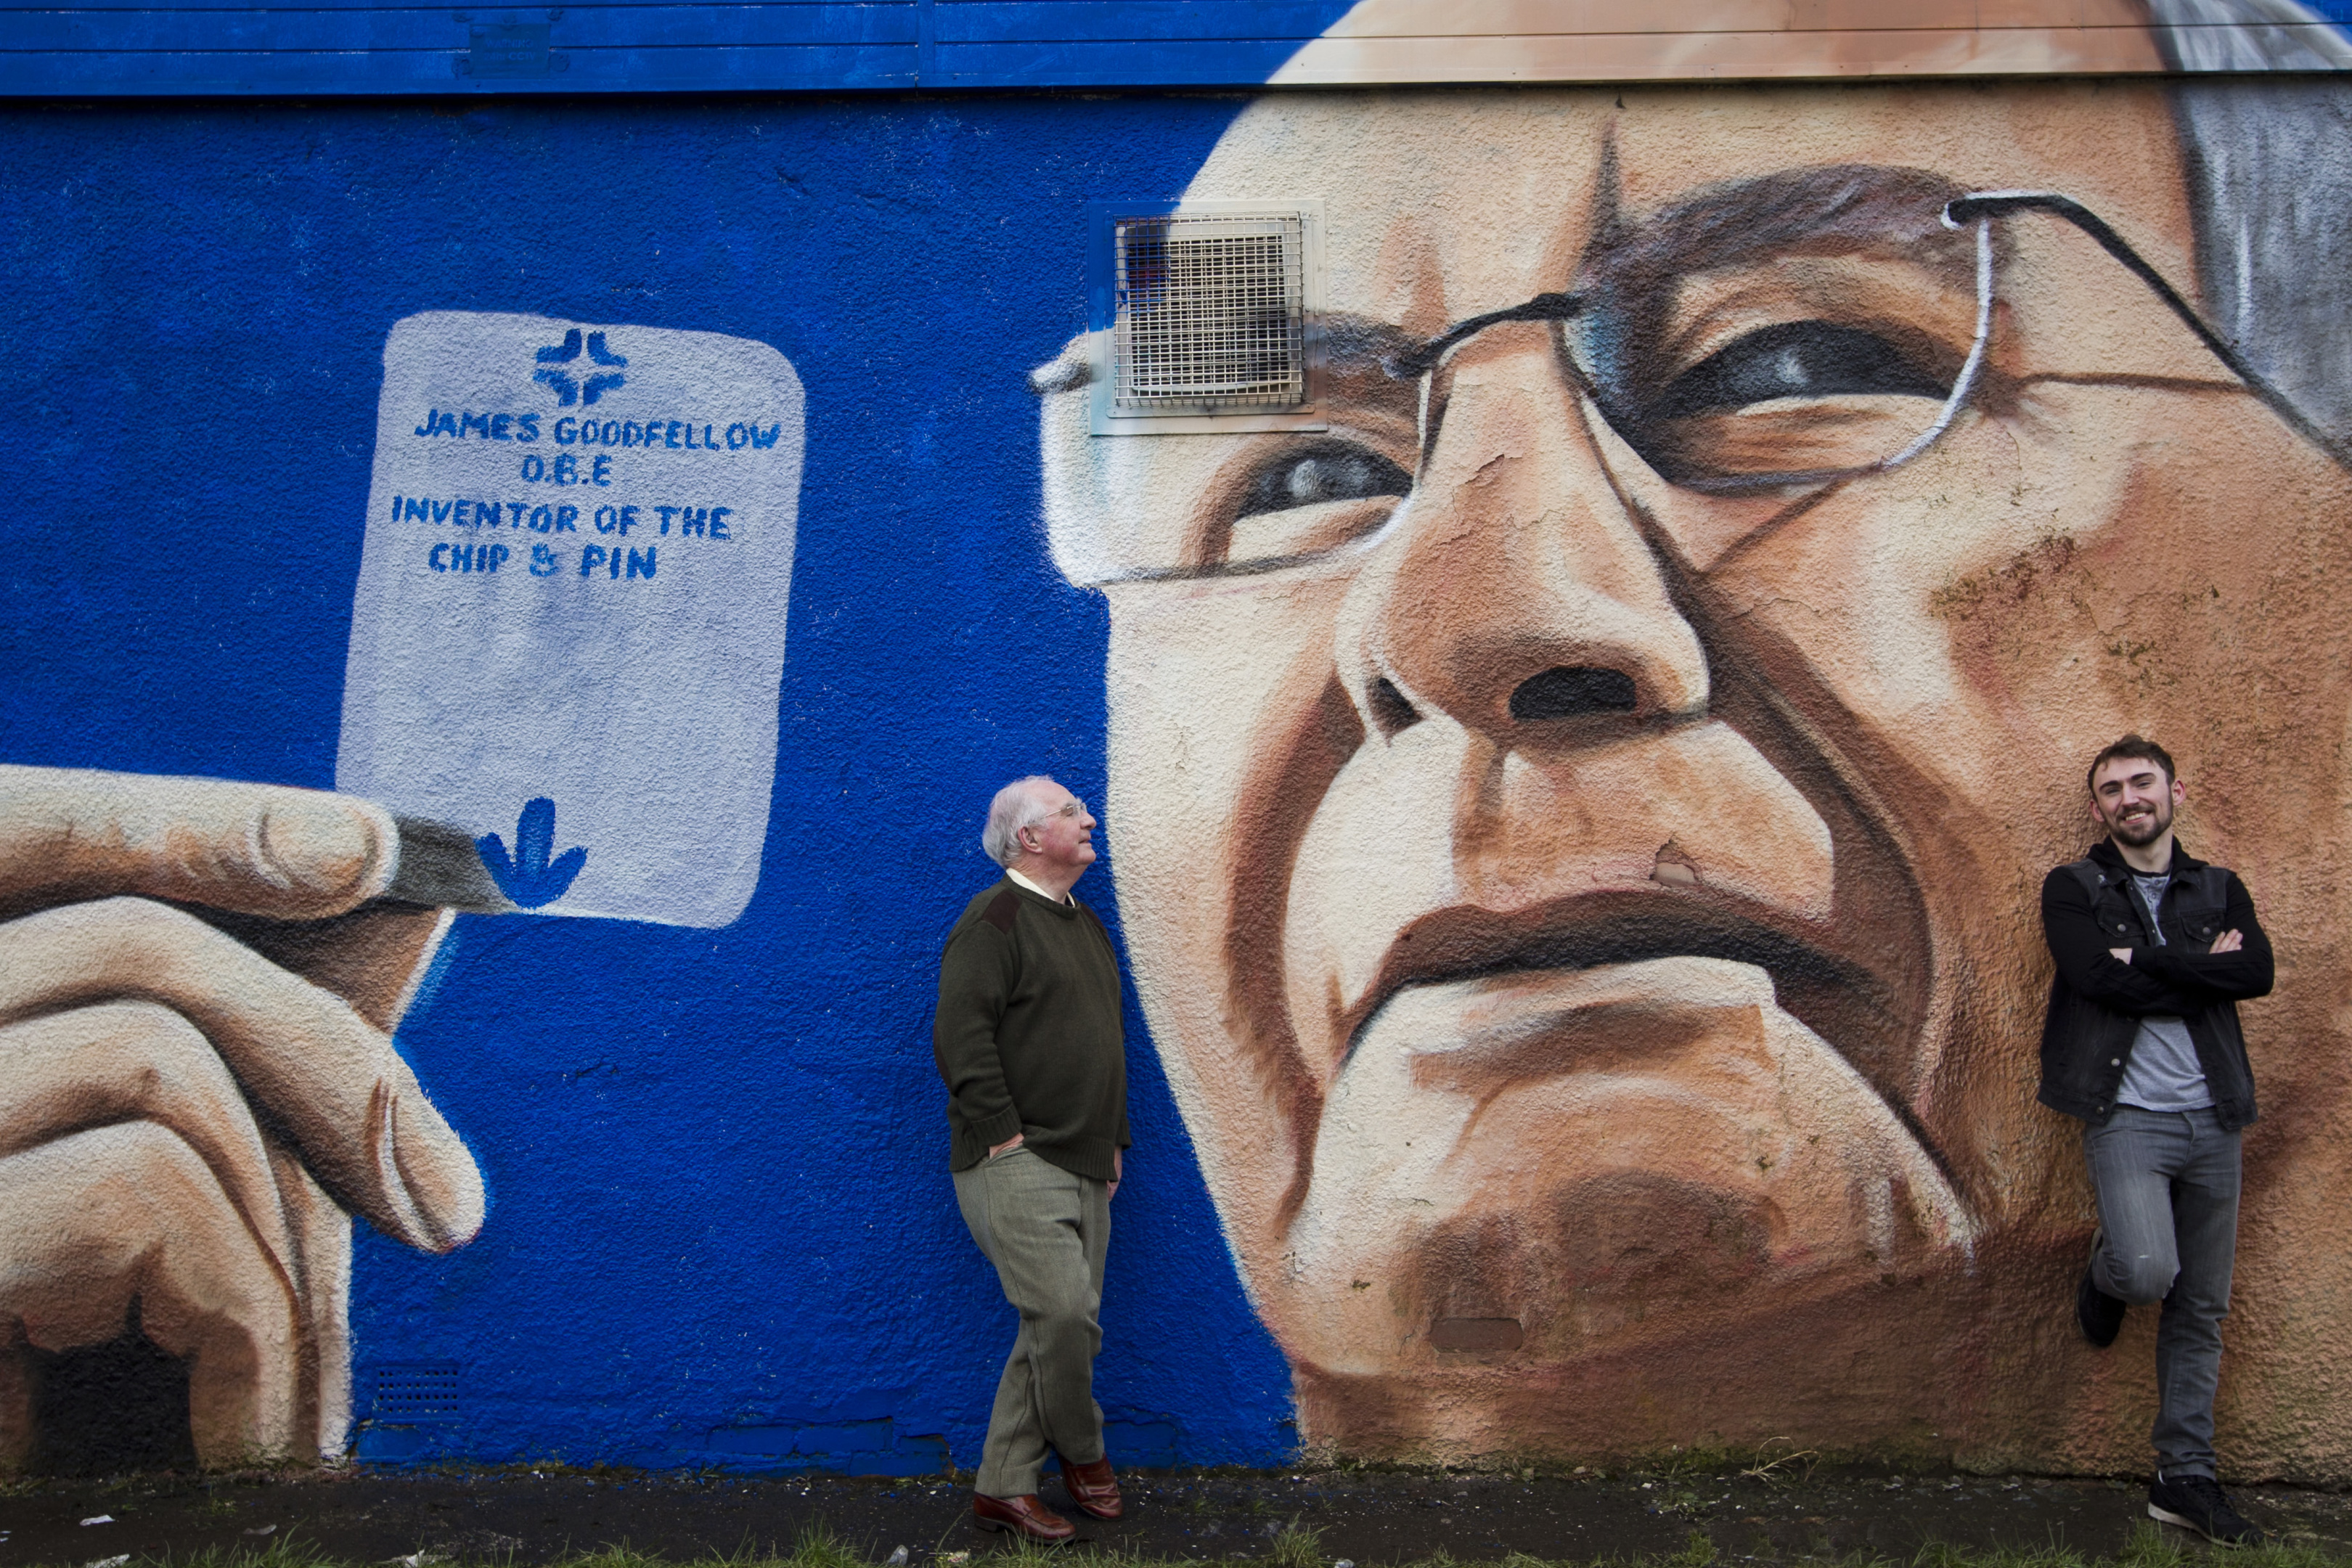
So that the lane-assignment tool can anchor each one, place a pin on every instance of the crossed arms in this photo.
(2162, 980)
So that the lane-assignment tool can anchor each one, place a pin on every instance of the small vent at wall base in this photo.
(415, 1392)
(1211, 314)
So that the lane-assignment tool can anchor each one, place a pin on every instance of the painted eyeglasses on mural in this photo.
(1791, 332)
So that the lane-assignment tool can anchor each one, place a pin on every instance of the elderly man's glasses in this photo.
(1792, 397)
(1074, 808)
(1798, 330)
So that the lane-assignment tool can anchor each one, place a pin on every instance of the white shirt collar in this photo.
(1033, 887)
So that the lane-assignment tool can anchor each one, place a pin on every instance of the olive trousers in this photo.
(1048, 1232)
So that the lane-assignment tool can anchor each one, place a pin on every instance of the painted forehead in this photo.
(1438, 209)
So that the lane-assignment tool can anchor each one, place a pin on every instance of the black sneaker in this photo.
(2198, 1503)
(2100, 1315)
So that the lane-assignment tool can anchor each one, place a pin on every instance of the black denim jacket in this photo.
(2096, 999)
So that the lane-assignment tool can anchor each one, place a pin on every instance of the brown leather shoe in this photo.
(1021, 1516)
(1093, 1487)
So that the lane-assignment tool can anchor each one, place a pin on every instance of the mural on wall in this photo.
(1575, 814)
(569, 623)
(1578, 815)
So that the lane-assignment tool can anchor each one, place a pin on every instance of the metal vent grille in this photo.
(415, 1391)
(1211, 314)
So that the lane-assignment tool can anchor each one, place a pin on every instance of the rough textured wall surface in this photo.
(1575, 820)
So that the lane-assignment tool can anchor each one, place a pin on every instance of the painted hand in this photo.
(2121, 952)
(2228, 941)
(186, 1115)
(1117, 1171)
(1013, 1142)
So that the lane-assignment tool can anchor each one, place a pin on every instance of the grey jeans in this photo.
(2167, 1189)
(1048, 1233)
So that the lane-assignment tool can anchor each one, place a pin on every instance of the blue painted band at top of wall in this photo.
(207, 47)
(363, 47)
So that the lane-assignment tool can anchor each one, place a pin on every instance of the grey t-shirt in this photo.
(2163, 1073)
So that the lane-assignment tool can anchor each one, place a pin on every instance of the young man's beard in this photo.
(2140, 830)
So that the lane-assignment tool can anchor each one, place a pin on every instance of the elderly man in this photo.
(1029, 1041)
(1573, 803)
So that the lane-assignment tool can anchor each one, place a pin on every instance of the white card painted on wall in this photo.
(569, 630)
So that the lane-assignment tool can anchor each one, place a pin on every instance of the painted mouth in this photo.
(1517, 1026)
(1841, 999)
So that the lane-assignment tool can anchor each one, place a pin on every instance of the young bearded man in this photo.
(2154, 951)
(1029, 1040)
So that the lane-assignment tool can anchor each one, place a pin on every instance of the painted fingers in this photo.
(350, 1106)
(261, 849)
(184, 1110)
(100, 1219)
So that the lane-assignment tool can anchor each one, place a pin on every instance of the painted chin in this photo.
(1534, 1164)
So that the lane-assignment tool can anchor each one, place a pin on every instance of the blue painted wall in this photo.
(135, 47)
(715, 1159)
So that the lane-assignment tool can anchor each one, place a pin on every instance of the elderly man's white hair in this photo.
(1018, 804)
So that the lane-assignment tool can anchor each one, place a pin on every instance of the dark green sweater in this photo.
(1027, 1033)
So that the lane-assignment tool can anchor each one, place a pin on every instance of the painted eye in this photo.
(1327, 471)
(1796, 359)
(1306, 502)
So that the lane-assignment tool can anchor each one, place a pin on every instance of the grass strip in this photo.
(1297, 1547)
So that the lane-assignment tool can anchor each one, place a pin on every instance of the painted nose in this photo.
(1514, 592)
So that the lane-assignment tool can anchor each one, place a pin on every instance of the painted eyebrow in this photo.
(1826, 209)
(1355, 351)
(1356, 354)
(1631, 266)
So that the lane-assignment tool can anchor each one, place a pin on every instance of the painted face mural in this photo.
(1578, 811)
(1578, 816)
